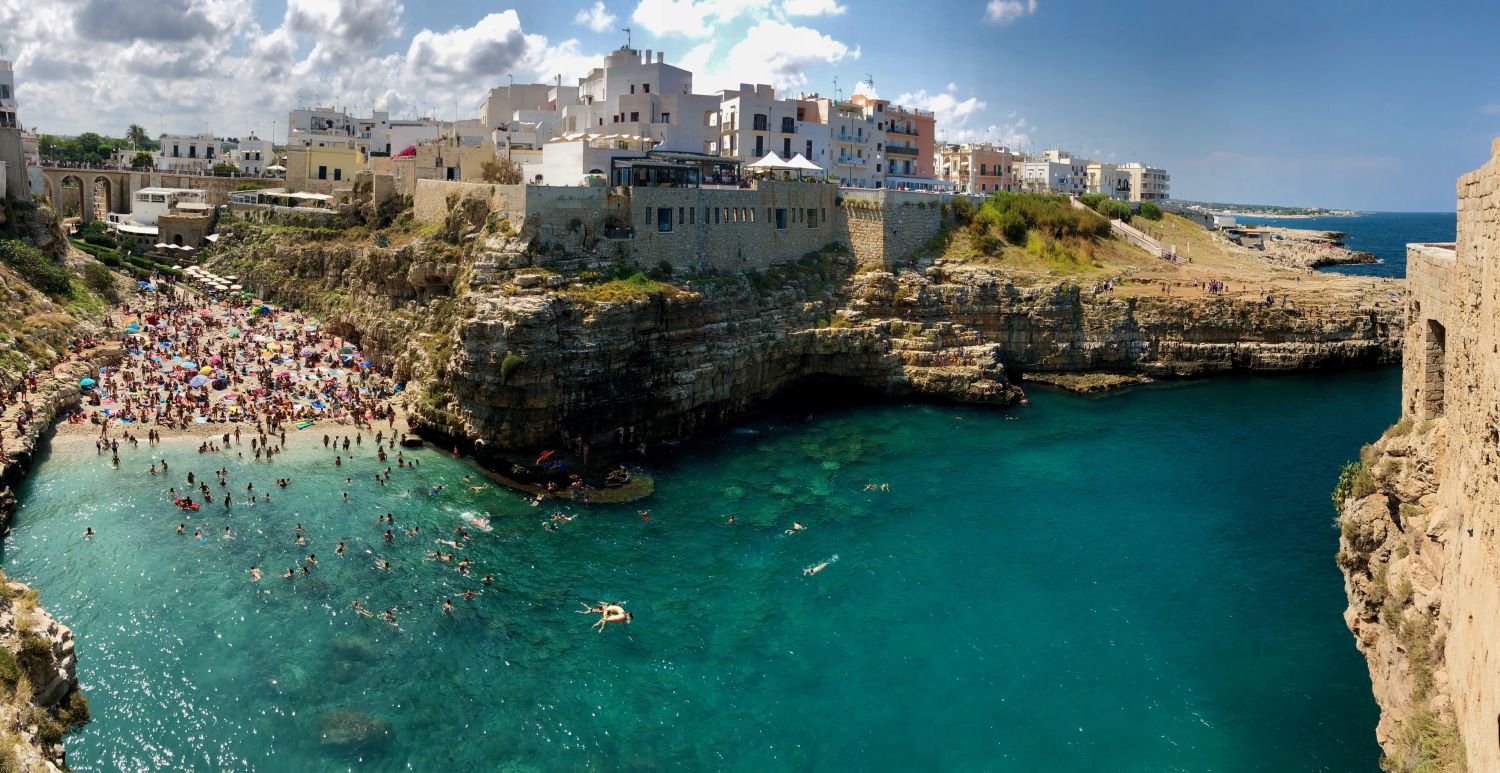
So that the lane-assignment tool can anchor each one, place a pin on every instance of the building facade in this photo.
(188, 153)
(1147, 183)
(13, 182)
(977, 167)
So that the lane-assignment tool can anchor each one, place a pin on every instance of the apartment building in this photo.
(977, 167)
(905, 146)
(1147, 183)
(188, 153)
(1107, 179)
(13, 182)
(752, 122)
(253, 155)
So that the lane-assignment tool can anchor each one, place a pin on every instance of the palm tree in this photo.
(137, 135)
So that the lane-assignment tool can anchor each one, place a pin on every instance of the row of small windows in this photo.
(782, 216)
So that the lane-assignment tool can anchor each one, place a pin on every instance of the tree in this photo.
(225, 169)
(137, 135)
(501, 171)
(1114, 209)
(142, 160)
(1149, 210)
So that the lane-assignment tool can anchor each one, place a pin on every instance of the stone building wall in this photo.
(710, 228)
(1419, 539)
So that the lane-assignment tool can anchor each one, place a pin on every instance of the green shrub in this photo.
(102, 282)
(988, 244)
(1401, 428)
(1114, 209)
(1354, 483)
(1149, 210)
(36, 268)
(962, 209)
(1092, 200)
(508, 366)
(74, 711)
(35, 658)
(1013, 227)
(10, 671)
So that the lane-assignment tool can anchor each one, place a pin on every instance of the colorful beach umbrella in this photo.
(86, 382)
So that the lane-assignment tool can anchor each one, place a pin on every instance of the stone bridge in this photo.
(73, 191)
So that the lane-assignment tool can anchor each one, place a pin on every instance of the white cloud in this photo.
(688, 18)
(866, 89)
(344, 53)
(778, 53)
(813, 8)
(596, 18)
(1006, 11)
(951, 113)
(1492, 109)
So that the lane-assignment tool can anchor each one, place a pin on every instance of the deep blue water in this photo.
(1138, 582)
(1382, 234)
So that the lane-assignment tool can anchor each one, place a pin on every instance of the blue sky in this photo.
(1370, 105)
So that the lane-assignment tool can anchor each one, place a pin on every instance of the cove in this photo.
(1139, 582)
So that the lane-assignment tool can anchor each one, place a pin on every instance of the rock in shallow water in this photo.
(353, 731)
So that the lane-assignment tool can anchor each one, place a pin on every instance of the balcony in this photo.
(900, 130)
(897, 150)
(852, 161)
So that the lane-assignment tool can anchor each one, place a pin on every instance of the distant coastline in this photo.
(1299, 216)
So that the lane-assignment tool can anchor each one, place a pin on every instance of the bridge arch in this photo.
(70, 198)
(102, 196)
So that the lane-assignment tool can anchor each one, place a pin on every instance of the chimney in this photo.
(648, 57)
(660, 57)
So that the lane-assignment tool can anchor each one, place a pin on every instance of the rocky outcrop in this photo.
(56, 391)
(505, 352)
(39, 673)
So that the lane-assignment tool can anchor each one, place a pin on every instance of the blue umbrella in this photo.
(85, 382)
(198, 381)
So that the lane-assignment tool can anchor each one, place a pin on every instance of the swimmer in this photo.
(181, 527)
(814, 569)
(468, 595)
(487, 580)
(447, 607)
(338, 551)
(383, 564)
(645, 515)
(312, 559)
(301, 540)
(612, 613)
(226, 533)
(254, 574)
(390, 617)
(796, 527)
(360, 608)
(729, 521)
(88, 532)
(290, 573)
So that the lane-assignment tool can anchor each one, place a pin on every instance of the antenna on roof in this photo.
(835, 88)
(626, 30)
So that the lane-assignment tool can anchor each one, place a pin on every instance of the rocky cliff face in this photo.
(1420, 517)
(508, 354)
(39, 676)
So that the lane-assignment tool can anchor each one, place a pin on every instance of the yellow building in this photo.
(322, 169)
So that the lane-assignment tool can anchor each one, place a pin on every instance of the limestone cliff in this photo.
(39, 682)
(1421, 509)
(506, 349)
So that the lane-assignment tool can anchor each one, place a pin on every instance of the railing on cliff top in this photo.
(1138, 237)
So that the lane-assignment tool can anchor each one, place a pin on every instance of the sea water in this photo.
(1382, 234)
(1138, 582)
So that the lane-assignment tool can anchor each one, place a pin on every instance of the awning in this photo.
(771, 161)
(800, 162)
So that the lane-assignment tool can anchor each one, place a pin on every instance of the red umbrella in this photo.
(544, 457)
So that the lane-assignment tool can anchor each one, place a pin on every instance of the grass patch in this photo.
(1401, 428)
(635, 287)
(1426, 743)
(509, 365)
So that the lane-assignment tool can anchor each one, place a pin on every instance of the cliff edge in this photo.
(1419, 512)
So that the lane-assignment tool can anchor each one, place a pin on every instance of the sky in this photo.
(1371, 105)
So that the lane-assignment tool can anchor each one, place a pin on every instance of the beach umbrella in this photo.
(365, 363)
(215, 360)
(308, 351)
(198, 381)
(189, 366)
(86, 382)
(141, 283)
(205, 370)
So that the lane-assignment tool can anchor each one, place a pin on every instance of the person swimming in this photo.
(796, 527)
(360, 608)
(88, 532)
(255, 574)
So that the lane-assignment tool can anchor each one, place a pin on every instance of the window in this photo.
(646, 87)
(692, 215)
(666, 117)
(176, 152)
(788, 125)
(780, 219)
(809, 150)
(759, 122)
(680, 215)
(322, 173)
(338, 174)
(664, 220)
(4, 91)
(635, 116)
(716, 216)
(192, 151)
(786, 147)
(632, 88)
(760, 146)
(812, 218)
(648, 215)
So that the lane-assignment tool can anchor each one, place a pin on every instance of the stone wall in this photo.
(1418, 546)
(726, 229)
(884, 227)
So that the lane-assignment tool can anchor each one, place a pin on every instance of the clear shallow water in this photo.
(1382, 234)
(1141, 582)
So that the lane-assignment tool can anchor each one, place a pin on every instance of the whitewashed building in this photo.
(187, 153)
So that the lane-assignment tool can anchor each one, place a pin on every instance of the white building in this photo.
(13, 182)
(638, 96)
(147, 205)
(253, 156)
(1054, 171)
(188, 153)
(752, 122)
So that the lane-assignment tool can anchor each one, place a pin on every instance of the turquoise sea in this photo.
(1137, 582)
(1382, 234)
